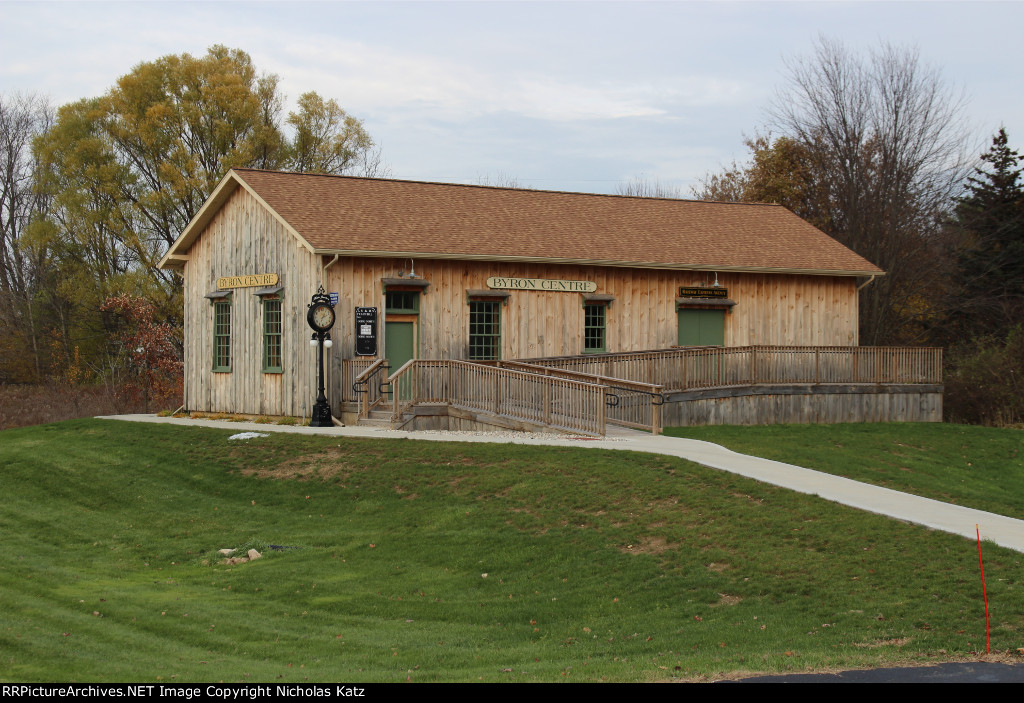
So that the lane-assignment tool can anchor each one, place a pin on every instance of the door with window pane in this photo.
(400, 328)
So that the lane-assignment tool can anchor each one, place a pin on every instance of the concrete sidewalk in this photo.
(1005, 531)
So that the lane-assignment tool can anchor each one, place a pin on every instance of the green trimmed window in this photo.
(272, 333)
(594, 333)
(402, 302)
(484, 330)
(222, 335)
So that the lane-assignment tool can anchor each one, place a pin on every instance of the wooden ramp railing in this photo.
(548, 400)
(682, 369)
(583, 393)
(630, 403)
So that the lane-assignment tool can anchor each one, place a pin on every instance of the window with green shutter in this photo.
(222, 335)
(272, 334)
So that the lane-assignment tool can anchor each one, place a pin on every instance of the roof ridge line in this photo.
(506, 188)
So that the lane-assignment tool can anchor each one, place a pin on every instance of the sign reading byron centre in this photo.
(552, 284)
(250, 281)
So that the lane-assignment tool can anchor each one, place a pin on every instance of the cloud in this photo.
(373, 79)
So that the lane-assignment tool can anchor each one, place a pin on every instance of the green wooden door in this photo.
(698, 328)
(400, 346)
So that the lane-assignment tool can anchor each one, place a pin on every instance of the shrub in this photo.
(985, 381)
(147, 354)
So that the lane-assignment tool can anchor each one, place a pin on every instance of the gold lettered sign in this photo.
(702, 292)
(250, 281)
(548, 284)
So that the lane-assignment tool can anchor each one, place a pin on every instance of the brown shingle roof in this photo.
(439, 220)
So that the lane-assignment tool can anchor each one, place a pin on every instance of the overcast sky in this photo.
(561, 95)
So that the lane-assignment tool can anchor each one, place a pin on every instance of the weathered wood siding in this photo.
(771, 308)
(815, 404)
(244, 238)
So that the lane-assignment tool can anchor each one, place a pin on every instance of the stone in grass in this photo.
(248, 435)
(252, 555)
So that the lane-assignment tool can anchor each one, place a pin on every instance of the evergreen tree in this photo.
(990, 218)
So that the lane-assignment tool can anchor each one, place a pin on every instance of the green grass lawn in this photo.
(978, 467)
(431, 561)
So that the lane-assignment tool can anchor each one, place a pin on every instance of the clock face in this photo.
(321, 317)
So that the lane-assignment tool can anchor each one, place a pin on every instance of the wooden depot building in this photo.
(453, 272)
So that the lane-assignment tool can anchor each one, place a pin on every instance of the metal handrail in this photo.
(361, 385)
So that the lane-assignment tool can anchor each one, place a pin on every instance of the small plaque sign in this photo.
(366, 331)
(249, 281)
(542, 284)
(702, 292)
(334, 298)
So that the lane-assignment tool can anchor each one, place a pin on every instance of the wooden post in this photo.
(394, 404)
(497, 393)
(547, 397)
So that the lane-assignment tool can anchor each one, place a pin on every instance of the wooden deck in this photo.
(650, 389)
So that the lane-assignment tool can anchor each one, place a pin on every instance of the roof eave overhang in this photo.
(173, 261)
(597, 262)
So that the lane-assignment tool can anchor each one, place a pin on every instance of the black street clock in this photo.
(320, 317)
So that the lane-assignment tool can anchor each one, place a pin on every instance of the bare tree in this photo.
(642, 187)
(502, 180)
(886, 141)
(371, 164)
(22, 265)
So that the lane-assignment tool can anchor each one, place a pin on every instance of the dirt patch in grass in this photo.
(718, 566)
(726, 599)
(649, 545)
(895, 642)
(333, 462)
(454, 481)
(671, 503)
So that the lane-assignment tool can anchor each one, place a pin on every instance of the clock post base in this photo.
(321, 415)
